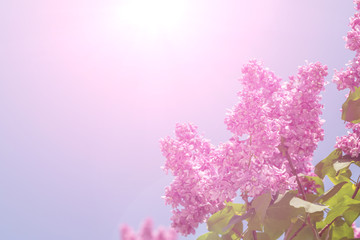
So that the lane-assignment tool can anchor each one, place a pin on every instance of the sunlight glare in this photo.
(153, 16)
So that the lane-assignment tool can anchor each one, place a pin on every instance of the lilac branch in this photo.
(356, 190)
(326, 227)
(297, 232)
(296, 175)
(284, 151)
(288, 231)
(254, 235)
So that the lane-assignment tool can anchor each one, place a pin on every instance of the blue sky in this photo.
(87, 91)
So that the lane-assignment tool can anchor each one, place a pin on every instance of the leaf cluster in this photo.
(319, 215)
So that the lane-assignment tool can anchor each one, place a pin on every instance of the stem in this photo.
(244, 196)
(356, 190)
(250, 160)
(284, 150)
(288, 231)
(312, 227)
(243, 234)
(254, 235)
(352, 180)
(251, 155)
(326, 227)
(327, 235)
(302, 192)
(237, 232)
(297, 232)
(295, 173)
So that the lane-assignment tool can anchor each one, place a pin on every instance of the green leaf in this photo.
(249, 235)
(262, 236)
(234, 220)
(341, 176)
(238, 207)
(238, 229)
(351, 202)
(226, 236)
(341, 207)
(327, 234)
(308, 206)
(281, 209)
(219, 220)
(230, 236)
(285, 197)
(331, 192)
(280, 214)
(351, 107)
(341, 230)
(260, 204)
(316, 216)
(311, 197)
(255, 224)
(275, 227)
(238, 219)
(305, 233)
(351, 214)
(335, 212)
(346, 190)
(339, 165)
(209, 236)
(325, 167)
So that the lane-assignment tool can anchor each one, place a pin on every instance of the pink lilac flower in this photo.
(269, 115)
(294, 116)
(127, 233)
(353, 38)
(190, 158)
(356, 231)
(357, 4)
(146, 230)
(350, 144)
(309, 185)
(302, 114)
(350, 77)
(147, 233)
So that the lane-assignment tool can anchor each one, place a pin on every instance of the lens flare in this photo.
(153, 17)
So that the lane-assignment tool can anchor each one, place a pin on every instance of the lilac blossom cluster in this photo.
(147, 233)
(350, 144)
(350, 77)
(272, 122)
(192, 194)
